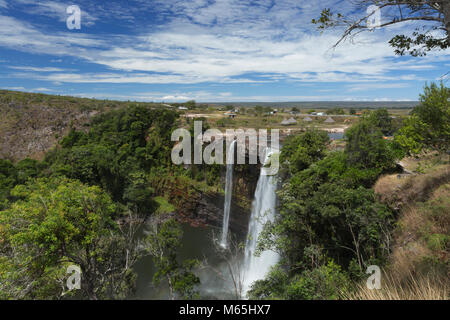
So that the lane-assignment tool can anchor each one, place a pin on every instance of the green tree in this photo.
(300, 151)
(327, 282)
(273, 286)
(336, 111)
(8, 179)
(433, 15)
(163, 243)
(119, 153)
(259, 109)
(429, 124)
(328, 211)
(27, 168)
(380, 118)
(57, 223)
(191, 104)
(366, 147)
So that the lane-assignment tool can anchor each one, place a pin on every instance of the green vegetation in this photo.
(83, 203)
(300, 151)
(56, 223)
(429, 126)
(338, 111)
(72, 207)
(381, 119)
(163, 243)
(163, 206)
(332, 225)
(421, 41)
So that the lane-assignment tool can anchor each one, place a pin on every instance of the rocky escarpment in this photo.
(32, 123)
(207, 208)
(209, 211)
(30, 131)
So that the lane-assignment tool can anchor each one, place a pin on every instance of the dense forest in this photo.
(84, 202)
(332, 225)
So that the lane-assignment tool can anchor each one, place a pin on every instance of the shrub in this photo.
(326, 282)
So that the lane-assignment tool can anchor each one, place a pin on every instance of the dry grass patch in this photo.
(400, 190)
(423, 288)
(419, 266)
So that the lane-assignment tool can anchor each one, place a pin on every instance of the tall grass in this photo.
(418, 267)
(412, 288)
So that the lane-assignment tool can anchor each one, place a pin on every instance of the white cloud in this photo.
(202, 96)
(42, 90)
(225, 41)
(373, 86)
(23, 36)
(56, 9)
(36, 69)
(14, 88)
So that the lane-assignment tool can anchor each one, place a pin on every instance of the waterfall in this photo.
(263, 210)
(228, 194)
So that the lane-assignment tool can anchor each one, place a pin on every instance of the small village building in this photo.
(307, 119)
(230, 115)
(329, 120)
(288, 122)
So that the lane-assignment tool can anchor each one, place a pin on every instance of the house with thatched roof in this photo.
(329, 120)
(307, 119)
(292, 120)
(287, 122)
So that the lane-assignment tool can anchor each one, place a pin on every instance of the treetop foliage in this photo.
(434, 15)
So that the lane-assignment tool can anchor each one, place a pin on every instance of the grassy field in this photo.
(32, 123)
(419, 263)
(247, 118)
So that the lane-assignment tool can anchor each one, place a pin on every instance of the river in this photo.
(199, 243)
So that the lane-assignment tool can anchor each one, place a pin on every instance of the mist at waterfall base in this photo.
(263, 211)
(200, 243)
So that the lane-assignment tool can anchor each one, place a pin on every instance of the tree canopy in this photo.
(57, 223)
(432, 34)
(429, 125)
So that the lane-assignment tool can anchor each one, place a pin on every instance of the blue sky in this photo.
(224, 50)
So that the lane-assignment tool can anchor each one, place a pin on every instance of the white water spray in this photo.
(228, 194)
(263, 210)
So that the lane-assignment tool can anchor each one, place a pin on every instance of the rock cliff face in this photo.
(32, 123)
(207, 208)
(32, 130)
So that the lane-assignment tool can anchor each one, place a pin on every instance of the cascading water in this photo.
(263, 210)
(228, 194)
